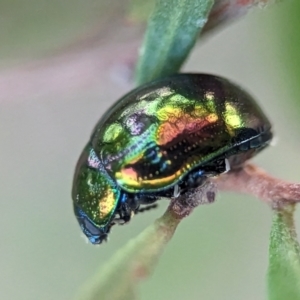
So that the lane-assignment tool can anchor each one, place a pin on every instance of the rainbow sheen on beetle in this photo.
(162, 140)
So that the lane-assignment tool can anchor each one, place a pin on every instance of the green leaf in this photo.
(171, 33)
(284, 257)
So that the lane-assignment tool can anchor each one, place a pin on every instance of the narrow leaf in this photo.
(284, 257)
(171, 33)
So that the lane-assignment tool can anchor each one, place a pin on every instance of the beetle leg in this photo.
(227, 166)
(126, 208)
(146, 208)
(125, 213)
(176, 191)
(195, 179)
(218, 167)
(146, 199)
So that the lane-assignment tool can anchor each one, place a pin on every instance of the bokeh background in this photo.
(62, 64)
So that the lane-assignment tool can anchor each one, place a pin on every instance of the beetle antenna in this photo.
(146, 208)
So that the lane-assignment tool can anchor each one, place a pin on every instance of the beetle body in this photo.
(160, 140)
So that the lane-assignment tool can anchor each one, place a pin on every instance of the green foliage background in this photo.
(221, 251)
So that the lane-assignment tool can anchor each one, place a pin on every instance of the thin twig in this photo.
(73, 70)
(253, 180)
(225, 11)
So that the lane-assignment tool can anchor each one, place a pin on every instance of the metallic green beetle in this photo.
(161, 140)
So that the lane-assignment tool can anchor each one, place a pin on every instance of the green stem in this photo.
(119, 278)
(284, 256)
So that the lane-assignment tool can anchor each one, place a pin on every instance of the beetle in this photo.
(161, 140)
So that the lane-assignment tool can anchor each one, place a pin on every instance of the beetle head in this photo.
(95, 197)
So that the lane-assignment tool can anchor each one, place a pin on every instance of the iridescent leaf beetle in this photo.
(161, 140)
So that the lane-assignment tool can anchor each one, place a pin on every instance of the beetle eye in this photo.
(90, 227)
(94, 234)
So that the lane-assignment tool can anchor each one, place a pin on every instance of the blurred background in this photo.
(62, 64)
